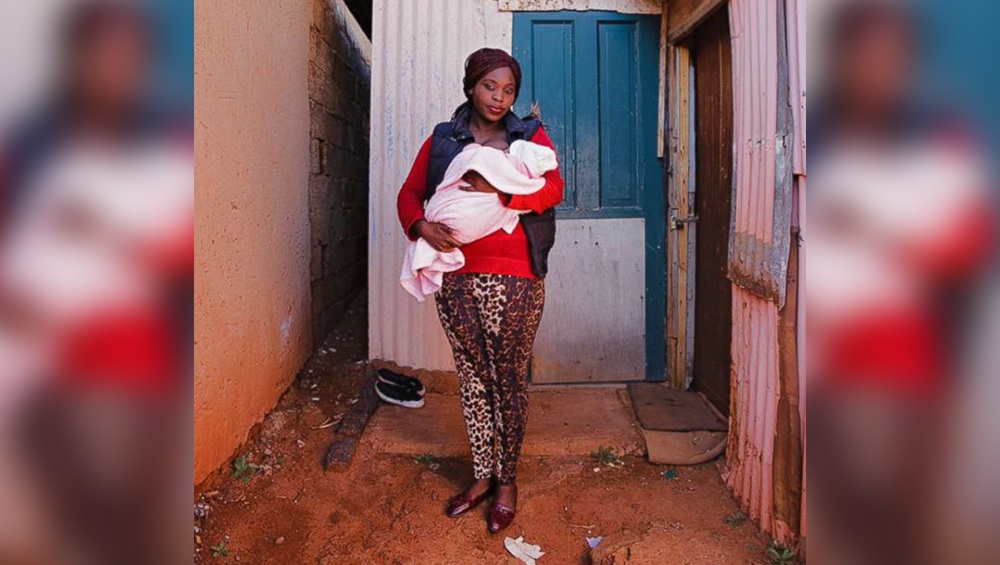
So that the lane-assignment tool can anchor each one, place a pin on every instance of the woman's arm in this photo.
(410, 205)
(550, 195)
(410, 202)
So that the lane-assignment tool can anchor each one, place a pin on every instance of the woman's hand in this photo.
(477, 182)
(440, 236)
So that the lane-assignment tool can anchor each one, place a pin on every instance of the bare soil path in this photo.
(275, 504)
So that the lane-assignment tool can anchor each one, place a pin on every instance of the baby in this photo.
(473, 215)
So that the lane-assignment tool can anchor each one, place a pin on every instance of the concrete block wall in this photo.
(339, 105)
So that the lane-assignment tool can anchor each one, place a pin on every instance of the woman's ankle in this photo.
(479, 485)
(507, 493)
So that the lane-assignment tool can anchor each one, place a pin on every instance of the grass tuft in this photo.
(606, 456)
(220, 550)
(243, 470)
(781, 555)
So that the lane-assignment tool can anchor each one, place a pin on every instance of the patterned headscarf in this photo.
(484, 61)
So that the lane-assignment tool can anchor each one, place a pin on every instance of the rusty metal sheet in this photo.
(660, 407)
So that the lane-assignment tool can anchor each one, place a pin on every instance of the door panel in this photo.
(619, 166)
(552, 43)
(581, 340)
(594, 76)
(713, 110)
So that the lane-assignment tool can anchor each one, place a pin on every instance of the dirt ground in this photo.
(282, 508)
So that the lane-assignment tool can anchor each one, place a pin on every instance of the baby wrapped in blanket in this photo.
(473, 215)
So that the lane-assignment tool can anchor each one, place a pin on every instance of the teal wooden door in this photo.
(594, 76)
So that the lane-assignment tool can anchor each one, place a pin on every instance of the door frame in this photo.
(681, 226)
(680, 169)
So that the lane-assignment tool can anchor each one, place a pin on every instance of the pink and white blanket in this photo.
(473, 215)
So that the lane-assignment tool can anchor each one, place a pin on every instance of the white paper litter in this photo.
(592, 542)
(523, 550)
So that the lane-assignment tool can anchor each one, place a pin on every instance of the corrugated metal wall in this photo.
(418, 51)
(754, 402)
(758, 250)
(769, 145)
(795, 16)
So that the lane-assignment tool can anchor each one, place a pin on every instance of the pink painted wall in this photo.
(750, 452)
(252, 224)
(763, 216)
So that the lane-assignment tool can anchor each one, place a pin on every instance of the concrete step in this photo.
(561, 422)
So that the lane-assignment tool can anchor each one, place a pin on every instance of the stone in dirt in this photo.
(357, 417)
(338, 456)
(274, 423)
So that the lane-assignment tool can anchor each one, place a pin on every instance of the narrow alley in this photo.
(275, 504)
(659, 343)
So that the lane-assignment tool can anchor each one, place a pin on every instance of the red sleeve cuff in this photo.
(520, 202)
(408, 228)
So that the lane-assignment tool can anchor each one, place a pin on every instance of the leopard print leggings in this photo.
(491, 321)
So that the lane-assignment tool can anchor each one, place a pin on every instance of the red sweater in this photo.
(500, 252)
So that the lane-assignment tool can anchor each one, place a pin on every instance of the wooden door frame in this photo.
(680, 166)
(681, 233)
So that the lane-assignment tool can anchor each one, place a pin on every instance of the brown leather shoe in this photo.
(500, 515)
(463, 502)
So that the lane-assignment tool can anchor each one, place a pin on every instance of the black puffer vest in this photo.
(450, 138)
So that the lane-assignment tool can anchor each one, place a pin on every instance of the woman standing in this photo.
(491, 307)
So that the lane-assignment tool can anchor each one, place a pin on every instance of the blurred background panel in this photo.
(175, 18)
(28, 56)
(961, 55)
(28, 59)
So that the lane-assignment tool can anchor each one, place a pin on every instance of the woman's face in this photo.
(875, 69)
(493, 95)
(110, 69)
